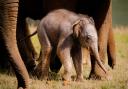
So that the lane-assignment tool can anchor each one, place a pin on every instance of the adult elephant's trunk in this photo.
(8, 17)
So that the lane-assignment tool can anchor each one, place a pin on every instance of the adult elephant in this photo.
(12, 29)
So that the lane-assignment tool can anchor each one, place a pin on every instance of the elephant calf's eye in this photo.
(88, 37)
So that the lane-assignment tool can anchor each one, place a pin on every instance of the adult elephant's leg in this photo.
(8, 14)
(96, 71)
(111, 50)
(4, 63)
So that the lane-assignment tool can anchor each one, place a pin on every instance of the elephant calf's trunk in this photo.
(96, 54)
(101, 65)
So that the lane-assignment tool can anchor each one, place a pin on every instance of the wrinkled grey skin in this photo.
(8, 25)
(66, 32)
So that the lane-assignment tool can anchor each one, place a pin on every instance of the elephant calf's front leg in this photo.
(77, 61)
(65, 58)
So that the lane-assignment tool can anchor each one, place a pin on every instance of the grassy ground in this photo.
(120, 74)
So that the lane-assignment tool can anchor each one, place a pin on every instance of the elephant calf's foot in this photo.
(66, 77)
(41, 73)
(66, 82)
(20, 88)
(79, 79)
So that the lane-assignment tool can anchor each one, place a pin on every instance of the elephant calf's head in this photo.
(84, 30)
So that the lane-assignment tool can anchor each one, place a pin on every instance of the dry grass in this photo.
(120, 73)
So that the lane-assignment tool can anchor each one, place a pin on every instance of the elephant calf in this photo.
(62, 33)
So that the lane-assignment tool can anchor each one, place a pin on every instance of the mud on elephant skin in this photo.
(66, 32)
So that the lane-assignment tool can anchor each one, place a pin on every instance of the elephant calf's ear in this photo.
(91, 20)
(76, 28)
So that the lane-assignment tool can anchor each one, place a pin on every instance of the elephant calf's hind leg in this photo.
(42, 68)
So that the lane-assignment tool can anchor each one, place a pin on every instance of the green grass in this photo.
(120, 73)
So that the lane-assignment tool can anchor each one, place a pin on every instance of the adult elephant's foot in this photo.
(95, 76)
(41, 72)
(111, 64)
(98, 74)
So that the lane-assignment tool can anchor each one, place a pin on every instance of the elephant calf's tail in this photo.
(29, 36)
